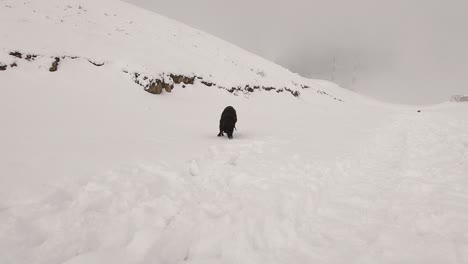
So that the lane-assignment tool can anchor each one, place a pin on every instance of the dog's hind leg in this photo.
(220, 129)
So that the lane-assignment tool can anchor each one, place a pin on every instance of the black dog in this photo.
(227, 123)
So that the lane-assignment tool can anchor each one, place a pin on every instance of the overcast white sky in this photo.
(403, 51)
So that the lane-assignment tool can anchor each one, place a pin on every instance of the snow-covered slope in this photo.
(134, 41)
(93, 169)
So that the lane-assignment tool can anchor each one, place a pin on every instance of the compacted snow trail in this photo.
(400, 198)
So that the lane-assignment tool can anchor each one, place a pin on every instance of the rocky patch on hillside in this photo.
(29, 57)
(164, 82)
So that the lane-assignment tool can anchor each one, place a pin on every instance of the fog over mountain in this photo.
(399, 51)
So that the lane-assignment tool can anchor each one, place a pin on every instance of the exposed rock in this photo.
(189, 80)
(55, 64)
(209, 84)
(294, 93)
(16, 54)
(97, 64)
(31, 57)
(168, 87)
(135, 78)
(166, 81)
(177, 79)
(155, 88)
(459, 98)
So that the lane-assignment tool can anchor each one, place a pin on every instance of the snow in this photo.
(93, 169)
(103, 29)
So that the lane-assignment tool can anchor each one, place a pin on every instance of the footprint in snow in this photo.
(232, 160)
(194, 170)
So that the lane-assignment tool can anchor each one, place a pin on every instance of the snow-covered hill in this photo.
(94, 169)
(147, 47)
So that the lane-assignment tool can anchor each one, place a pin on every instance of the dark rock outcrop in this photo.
(209, 84)
(16, 54)
(157, 86)
(97, 64)
(177, 79)
(55, 65)
(167, 87)
(31, 57)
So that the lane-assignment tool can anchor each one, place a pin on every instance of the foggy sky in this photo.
(402, 51)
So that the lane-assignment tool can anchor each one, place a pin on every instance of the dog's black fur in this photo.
(227, 123)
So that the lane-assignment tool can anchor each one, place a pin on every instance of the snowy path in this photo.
(400, 198)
